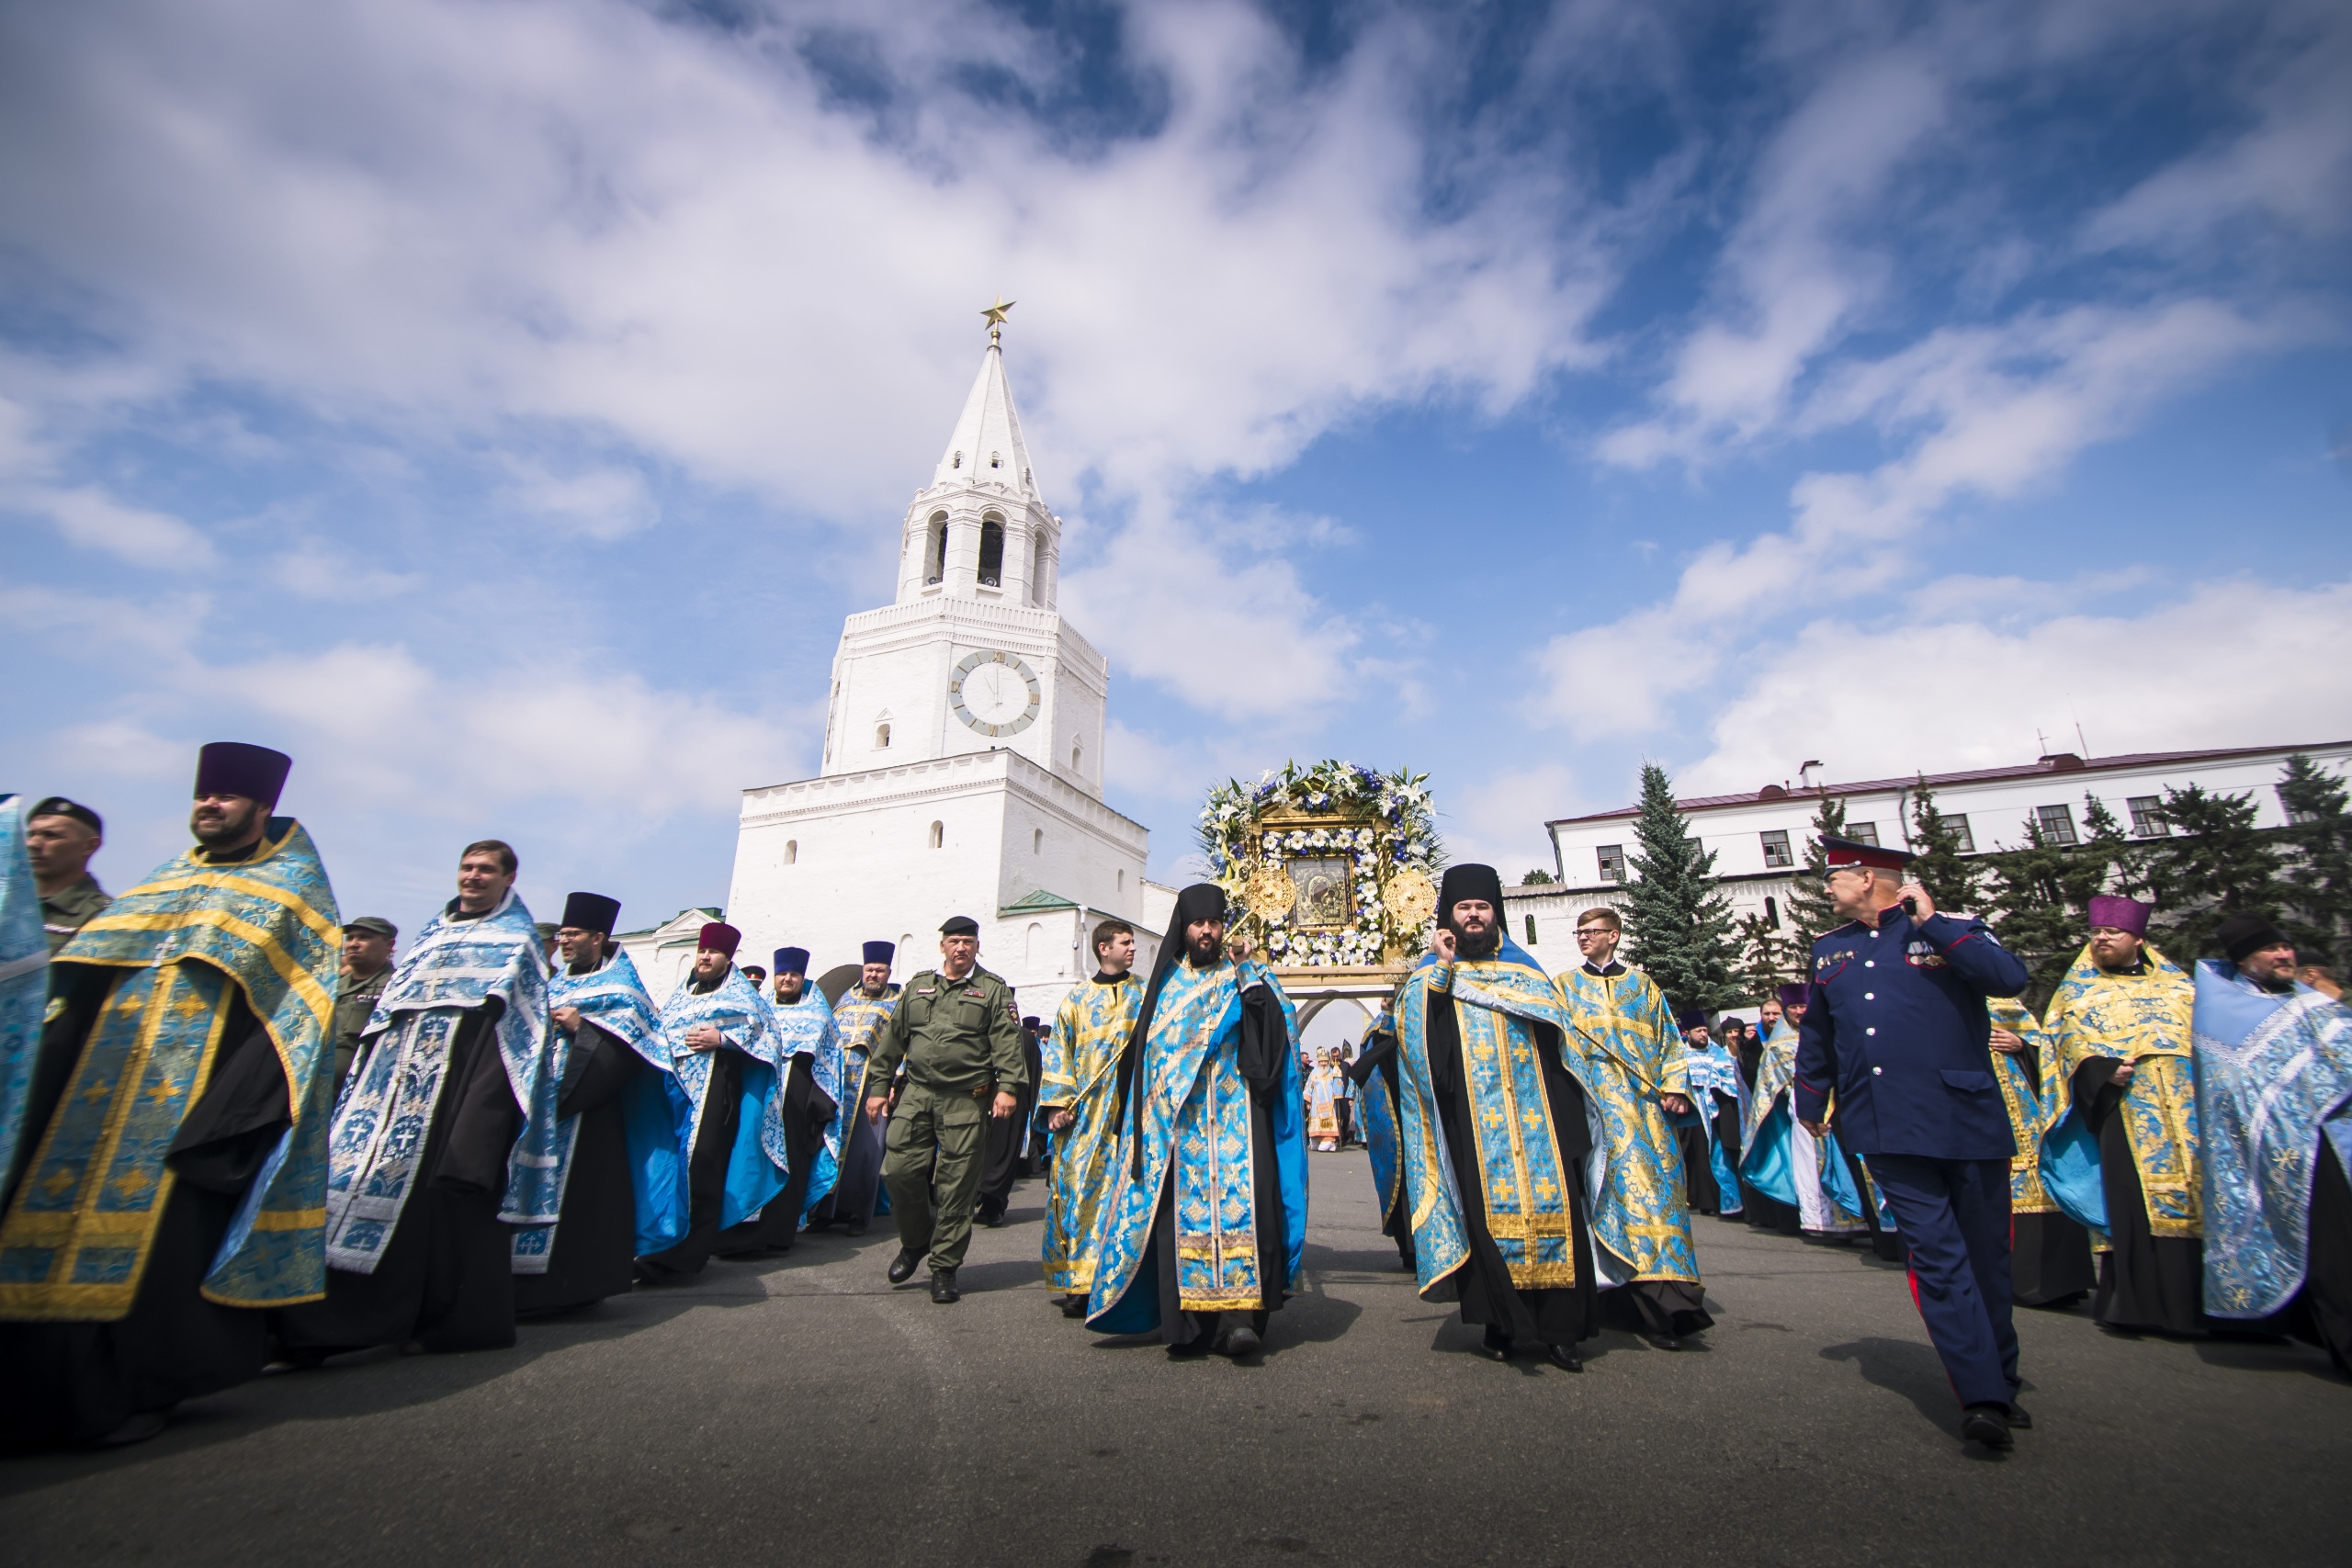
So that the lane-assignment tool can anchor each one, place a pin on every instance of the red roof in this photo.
(2057, 762)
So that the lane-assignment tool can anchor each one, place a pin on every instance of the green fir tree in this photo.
(2215, 863)
(1677, 924)
(2319, 828)
(1768, 957)
(1539, 877)
(1954, 880)
(1809, 909)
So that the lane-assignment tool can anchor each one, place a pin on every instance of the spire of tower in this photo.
(985, 447)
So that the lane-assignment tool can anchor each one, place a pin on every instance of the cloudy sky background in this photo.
(499, 405)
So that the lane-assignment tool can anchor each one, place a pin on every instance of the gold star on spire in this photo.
(994, 316)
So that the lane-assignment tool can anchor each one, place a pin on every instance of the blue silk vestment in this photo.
(2029, 1102)
(190, 939)
(387, 1102)
(2274, 1096)
(1081, 1074)
(857, 1019)
(614, 999)
(2143, 1018)
(806, 1028)
(1711, 1072)
(1633, 1055)
(1376, 1121)
(757, 1163)
(1196, 1135)
(24, 975)
(1771, 1146)
(1525, 1182)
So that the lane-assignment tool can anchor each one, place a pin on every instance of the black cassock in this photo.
(2146, 1281)
(446, 1280)
(1375, 1072)
(2050, 1254)
(1551, 1315)
(807, 1112)
(1002, 1159)
(596, 1236)
(74, 1381)
(713, 1146)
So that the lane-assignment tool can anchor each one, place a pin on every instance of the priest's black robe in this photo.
(446, 1280)
(1375, 1072)
(1553, 1315)
(2321, 1311)
(595, 1238)
(1703, 1192)
(807, 1112)
(75, 1382)
(714, 1148)
(2145, 1281)
(1004, 1158)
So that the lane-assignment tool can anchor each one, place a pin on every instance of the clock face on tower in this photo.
(994, 692)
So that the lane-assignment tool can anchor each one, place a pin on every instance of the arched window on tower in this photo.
(996, 459)
(934, 563)
(938, 834)
(992, 551)
(881, 737)
(1037, 570)
(958, 462)
(1036, 841)
(792, 852)
(1077, 752)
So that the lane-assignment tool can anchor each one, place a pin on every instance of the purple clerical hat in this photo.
(2123, 914)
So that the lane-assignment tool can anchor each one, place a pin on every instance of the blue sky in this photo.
(499, 406)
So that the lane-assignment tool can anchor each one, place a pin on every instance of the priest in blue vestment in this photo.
(1503, 1142)
(720, 1034)
(444, 1135)
(623, 1183)
(2274, 1101)
(1373, 1072)
(807, 1052)
(1203, 1228)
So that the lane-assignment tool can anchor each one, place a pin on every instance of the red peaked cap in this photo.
(721, 937)
(1839, 852)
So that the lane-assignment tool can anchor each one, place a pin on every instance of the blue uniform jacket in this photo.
(1895, 1018)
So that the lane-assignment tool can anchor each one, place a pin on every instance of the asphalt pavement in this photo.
(800, 1410)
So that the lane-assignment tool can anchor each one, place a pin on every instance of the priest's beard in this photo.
(1485, 944)
(1203, 953)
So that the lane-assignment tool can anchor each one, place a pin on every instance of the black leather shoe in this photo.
(1239, 1341)
(1190, 1349)
(1985, 1424)
(1564, 1357)
(902, 1268)
(1664, 1342)
(1073, 1306)
(1495, 1346)
(943, 1287)
(2019, 1421)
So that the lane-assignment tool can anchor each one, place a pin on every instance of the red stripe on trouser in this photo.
(1911, 1277)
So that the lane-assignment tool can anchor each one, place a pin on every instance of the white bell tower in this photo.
(963, 761)
(972, 656)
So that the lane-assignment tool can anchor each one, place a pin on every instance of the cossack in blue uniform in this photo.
(1896, 1024)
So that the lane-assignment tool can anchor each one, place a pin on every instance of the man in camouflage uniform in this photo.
(59, 838)
(956, 1032)
(367, 964)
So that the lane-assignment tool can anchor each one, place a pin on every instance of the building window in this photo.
(881, 737)
(792, 852)
(1863, 832)
(1776, 850)
(958, 463)
(1037, 570)
(1962, 841)
(991, 552)
(1036, 841)
(996, 459)
(1077, 749)
(1771, 912)
(1122, 882)
(2056, 822)
(1530, 930)
(2148, 816)
(935, 560)
(1612, 863)
(938, 835)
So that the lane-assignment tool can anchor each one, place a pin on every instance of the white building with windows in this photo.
(963, 764)
(1759, 838)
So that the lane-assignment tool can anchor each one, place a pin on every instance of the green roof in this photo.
(1036, 902)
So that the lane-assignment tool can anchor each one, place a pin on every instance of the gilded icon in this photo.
(1326, 895)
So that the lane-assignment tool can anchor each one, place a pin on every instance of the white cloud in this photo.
(316, 572)
(600, 502)
(2235, 663)
(94, 520)
(1987, 413)
(1499, 821)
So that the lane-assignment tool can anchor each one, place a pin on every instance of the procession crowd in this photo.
(239, 1131)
